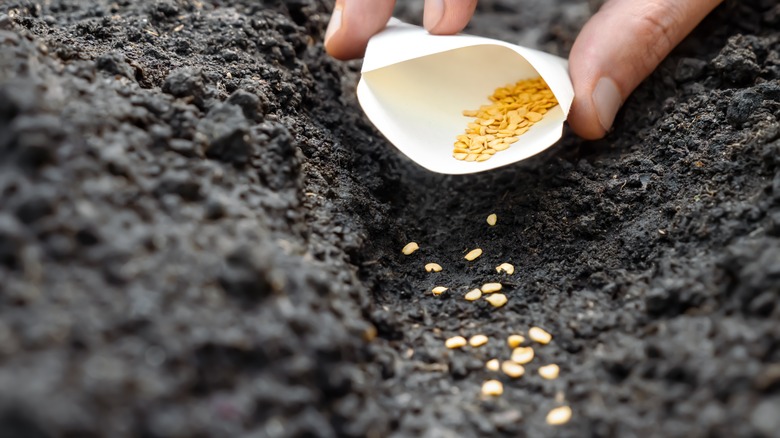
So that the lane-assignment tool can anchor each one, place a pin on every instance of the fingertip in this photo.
(582, 122)
(352, 24)
(447, 17)
(617, 49)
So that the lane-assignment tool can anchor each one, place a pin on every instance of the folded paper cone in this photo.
(415, 87)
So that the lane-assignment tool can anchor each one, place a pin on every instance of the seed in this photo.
(489, 288)
(510, 140)
(455, 342)
(473, 295)
(501, 147)
(522, 355)
(533, 116)
(438, 290)
(492, 388)
(460, 156)
(491, 219)
(512, 369)
(471, 157)
(473, 254)
(496, 300)
(512, 109)
(539, 335)
(558, 416)
(433, 267)
(478, 340)
(492, 365)
(514, 341)
(410, 248)
(505, 267)
(549, 372)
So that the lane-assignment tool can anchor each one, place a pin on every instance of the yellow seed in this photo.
(492, 388)
(501, 147)
(410, 248)
(558, 416)
(455, 342)
(491, 219)
(506, 268)
(438, 290)
(459, 150)
(473, 295)
(533, 116)
(433, 267)
(460, 157)
(538, 335)
(522, 355)
(514, 341)
(496, 300)
(478, 340)
(512, 369)
(492, 365)
(549, 372)
(473, 254)
(489, 288)
(512, 109)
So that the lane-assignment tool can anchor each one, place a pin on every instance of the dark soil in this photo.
(200, 236)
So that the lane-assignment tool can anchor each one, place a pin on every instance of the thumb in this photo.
(618, 48)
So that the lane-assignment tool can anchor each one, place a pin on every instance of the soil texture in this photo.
(201, 233)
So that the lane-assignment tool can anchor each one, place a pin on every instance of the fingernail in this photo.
(607, 99)
(335, 23)
(434, 11)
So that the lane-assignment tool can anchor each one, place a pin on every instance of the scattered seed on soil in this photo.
(492, 388)
(514, 341)
(522, 355)
(438, 290)
(489, 288)
(512, 111)
(496, 300)
(410, 248)
(512, 369)
(539, 335)
(558, 416)
(549, 372)
(492, 365)
(473, 295)
(433, 267)
(506, 268)
(455, 342)
(478, 340)
(473, 254)
(491, 220)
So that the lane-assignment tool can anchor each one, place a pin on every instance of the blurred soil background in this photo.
(200, 236)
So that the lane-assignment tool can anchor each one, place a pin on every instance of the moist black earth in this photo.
(201, 233)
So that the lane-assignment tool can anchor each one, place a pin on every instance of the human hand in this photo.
(615, 51)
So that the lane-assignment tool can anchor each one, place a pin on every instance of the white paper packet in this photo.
(415, 86)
